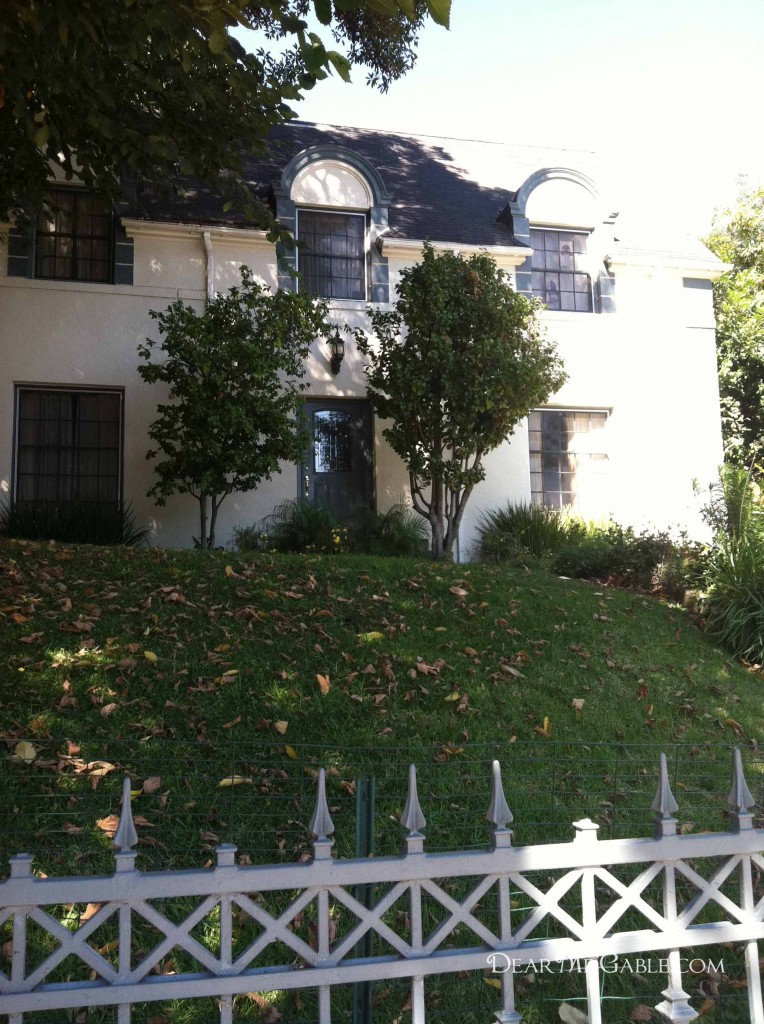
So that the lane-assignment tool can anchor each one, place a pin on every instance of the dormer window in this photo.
(558, 270)
(331, 257)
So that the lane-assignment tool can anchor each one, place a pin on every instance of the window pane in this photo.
(68, 447)
(332, 259)
(74, 238)
(566, 454)
(555, 251)
(331, 441)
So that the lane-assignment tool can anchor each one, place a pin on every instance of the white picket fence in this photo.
(598, 890)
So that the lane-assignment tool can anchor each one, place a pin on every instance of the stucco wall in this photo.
(651, 365)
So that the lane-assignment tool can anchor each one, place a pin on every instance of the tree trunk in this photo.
(436, 518)
(213, 522)
(203, 521)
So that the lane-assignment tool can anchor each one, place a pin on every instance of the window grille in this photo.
(332, 255)
(567, 455)
(74, 239)
(558, 268)
(68, 447)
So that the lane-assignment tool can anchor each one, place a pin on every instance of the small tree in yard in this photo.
(455, 366)
(234, 376)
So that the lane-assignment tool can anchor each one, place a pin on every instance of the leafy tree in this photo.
(455, 366)
(737, 237)
(234, 374)
(165, 89)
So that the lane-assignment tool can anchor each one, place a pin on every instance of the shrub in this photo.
(75, 523)
(399, 531)
(298, 526)
(293, 526)
(525, 529)
(733, 601)
(614, 550)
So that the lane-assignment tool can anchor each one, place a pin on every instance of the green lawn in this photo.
(186, 670)
(192, 667)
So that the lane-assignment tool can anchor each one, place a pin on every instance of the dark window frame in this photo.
(541, 495)
(304, 255)
(554, 283)
(22, 388)
(44, 237)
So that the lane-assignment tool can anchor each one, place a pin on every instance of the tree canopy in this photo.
(737, 237)
(234, 378)
(455, 366)
(162, 90)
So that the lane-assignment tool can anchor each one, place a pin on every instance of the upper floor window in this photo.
(74, 238)
(558, 265)
(331, 257)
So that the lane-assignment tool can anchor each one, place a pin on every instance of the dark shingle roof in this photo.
(449, 190)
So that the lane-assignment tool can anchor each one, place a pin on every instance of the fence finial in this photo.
(740, 798)
(125, 838)
(321, 824)
(664, 803)
(412, 818)
(498, 814)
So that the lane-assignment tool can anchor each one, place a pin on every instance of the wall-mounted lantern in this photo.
(336, 345)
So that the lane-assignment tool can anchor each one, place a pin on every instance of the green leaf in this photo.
(440, 11)
(218, 40)
(341, 64)
(41, 136)
(323, 9)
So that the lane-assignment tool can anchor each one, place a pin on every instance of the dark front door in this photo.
(337, 471)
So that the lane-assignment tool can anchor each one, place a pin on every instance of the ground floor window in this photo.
(568, 456)
(68, 446)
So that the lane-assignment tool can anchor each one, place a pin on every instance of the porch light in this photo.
(336, 345)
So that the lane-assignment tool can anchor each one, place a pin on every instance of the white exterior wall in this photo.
(651, 365)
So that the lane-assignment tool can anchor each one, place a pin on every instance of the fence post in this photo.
(414, 821)
(499, 816)
(364, 847)
(675, 1006)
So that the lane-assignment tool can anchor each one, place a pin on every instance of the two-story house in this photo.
(634, 426)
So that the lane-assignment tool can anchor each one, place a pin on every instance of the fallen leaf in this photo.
(323, 683)
(19, 619)
(25, 752)
(471, 651)
(152, 784)
(234, 780)
(545, 729)
(510, 670)
(570, 1015)
(281, 727)
(150, 656)
(109, 825)
(108, 709)
(371, 638)
(290, 752)
(493, 982)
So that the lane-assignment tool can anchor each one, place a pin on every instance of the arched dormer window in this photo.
(339, 208)
(560, 210)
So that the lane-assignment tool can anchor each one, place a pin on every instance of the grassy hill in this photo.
(177, 664)
(221, 683)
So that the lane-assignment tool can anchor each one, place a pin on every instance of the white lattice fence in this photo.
(582, 901)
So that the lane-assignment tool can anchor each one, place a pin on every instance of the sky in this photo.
(667, 92)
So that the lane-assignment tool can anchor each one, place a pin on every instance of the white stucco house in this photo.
(634, 426)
